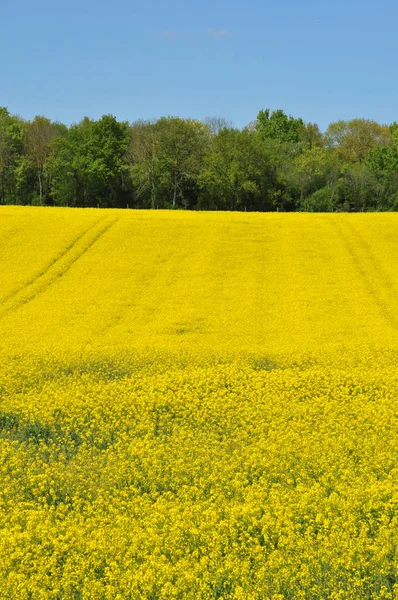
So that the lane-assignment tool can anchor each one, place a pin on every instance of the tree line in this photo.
(277, 162)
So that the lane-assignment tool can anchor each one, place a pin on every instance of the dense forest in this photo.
(277, 162)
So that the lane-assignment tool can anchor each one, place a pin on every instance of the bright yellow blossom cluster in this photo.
(198, 406)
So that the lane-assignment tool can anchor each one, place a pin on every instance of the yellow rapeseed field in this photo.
(198, 405)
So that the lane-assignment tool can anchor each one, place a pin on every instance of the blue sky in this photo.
(321, 60)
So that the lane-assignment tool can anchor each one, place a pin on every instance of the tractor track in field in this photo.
(377, 266)
(57, 269)
(375, 280)
(49, 265)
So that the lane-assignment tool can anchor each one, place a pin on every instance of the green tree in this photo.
(11, 157)
(357, 189)
(182, 149)
(353, 140)
(107, 147)
(39, 135)
(166, 158)
(236, 173)
(89, 165)
(310, 136)
(383, 163)
(143, 155)
(68, 166)
(316, 168)
(278, 126)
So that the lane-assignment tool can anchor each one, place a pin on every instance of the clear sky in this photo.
(321, 60)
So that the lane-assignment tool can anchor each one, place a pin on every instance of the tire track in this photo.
(373, 277)
(377, 266)
(49, 265)
(58, 268)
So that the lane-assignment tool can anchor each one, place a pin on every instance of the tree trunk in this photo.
(151, 173)
(153, 194)
(40, 188)
(3, 194)
(175, 191)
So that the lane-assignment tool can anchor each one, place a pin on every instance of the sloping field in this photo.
(262, 283)
(198, 405)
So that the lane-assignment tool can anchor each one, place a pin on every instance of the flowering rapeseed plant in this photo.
(198, 405)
